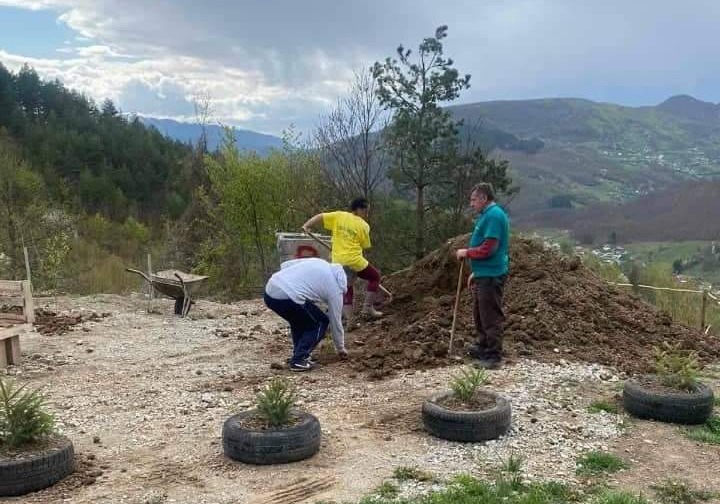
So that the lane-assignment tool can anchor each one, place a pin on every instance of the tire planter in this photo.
(271, 446)
(468, 426)
(37, 470)
(674, 407)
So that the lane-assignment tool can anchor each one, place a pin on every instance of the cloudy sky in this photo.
(266, 64)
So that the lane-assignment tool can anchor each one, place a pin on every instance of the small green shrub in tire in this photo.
(645, 397)
(34, 470)
(275, 432)
(280, 445)
(32, 455)
(467, 426)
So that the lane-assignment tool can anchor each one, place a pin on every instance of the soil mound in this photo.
(555, 309)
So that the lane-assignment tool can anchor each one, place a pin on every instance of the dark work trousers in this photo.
(487, 295)
(308, 324)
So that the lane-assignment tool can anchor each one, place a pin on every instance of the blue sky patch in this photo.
(35, 34)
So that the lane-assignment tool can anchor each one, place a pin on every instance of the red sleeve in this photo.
(484, 250)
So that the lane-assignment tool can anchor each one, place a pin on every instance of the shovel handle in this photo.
(316, 238)
(455, 309)
(325, 244)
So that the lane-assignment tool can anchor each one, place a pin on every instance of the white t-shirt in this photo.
(315, 280)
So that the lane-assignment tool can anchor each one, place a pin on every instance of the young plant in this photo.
(511, 470)
(467, 382)
(677, 368)
(23, 417)
(275, 401)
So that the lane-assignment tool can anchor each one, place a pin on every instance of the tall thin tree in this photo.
(350, 140)
(421, 133)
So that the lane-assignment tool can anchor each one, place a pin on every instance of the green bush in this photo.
(466, 383)
(677, 368)
(275, 401)
(23, 418)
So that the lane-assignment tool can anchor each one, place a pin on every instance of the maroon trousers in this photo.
(370, 274)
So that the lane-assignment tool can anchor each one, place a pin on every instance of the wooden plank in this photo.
(12, 317)
(14, 286)
(12, 350)
(13, 300)
(3, 355)
(9, 332)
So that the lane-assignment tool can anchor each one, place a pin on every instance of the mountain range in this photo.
(566, 153)
(599, 152)
(188, 132)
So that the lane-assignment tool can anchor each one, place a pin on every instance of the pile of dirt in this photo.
(50, 323)
(555, 309)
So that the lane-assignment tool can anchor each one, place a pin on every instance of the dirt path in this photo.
(143, 396)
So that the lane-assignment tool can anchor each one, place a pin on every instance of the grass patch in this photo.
(673, 491)
(606, 405)
(468, 490)
(464, 489)
(596, 462)
(709, 432)
(717, 400)
(387, 490)
(411, 474)
(619, 497)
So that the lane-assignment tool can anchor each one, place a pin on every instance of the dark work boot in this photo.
(488, 363)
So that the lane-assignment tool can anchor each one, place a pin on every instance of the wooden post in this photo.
(702, 309)
(149, 260)
(28, 302)
(27, 266)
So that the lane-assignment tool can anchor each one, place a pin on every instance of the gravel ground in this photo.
(143, 396)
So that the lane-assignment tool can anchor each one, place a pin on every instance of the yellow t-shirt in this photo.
(350, 235)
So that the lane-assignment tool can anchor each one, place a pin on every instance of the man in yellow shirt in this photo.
(350, 236)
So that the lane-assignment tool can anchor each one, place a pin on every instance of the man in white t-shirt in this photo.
(292, 293)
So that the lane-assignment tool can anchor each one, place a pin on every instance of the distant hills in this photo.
(687, 211)
(593, 152)
(187, 132)
(567, 153)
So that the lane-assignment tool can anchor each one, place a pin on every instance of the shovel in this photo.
(455, 309)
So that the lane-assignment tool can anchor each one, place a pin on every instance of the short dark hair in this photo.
(485, 188)
(359, 203)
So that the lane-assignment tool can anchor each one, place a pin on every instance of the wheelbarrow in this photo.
(176, 285)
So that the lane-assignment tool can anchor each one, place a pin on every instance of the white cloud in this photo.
(268, 62)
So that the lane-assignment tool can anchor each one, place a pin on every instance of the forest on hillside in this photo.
(88, 191)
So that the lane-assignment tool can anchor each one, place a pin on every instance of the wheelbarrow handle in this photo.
(139, 273)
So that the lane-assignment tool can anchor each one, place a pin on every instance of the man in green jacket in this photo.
(488, 254)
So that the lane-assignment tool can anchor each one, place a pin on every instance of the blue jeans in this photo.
(308, 324)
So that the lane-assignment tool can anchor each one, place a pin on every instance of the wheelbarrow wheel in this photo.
(179, 305)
